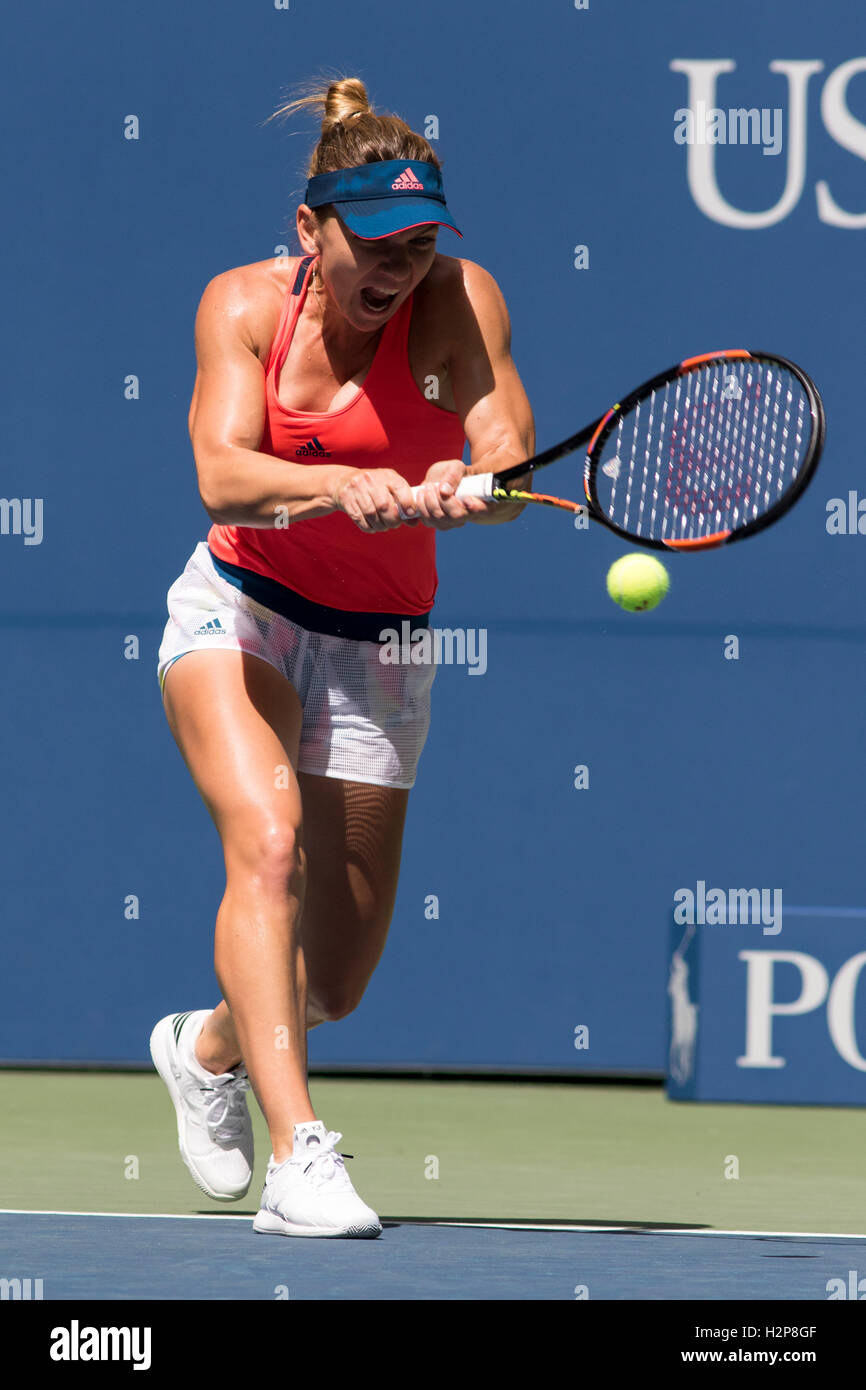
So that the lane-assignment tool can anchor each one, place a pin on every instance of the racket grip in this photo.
(476, 485)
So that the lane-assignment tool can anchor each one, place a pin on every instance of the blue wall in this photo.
(556, 130)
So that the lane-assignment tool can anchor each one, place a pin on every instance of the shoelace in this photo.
(324, 1164)
(225, 1111)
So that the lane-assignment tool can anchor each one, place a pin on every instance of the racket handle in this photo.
(476, 485)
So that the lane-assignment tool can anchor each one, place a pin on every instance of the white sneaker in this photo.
(214, 1130)
(311, 1194)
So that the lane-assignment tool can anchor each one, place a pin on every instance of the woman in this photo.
(328, 385)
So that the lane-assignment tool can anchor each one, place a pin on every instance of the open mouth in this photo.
(376, 301)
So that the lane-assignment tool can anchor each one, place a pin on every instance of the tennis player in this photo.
(328, 385)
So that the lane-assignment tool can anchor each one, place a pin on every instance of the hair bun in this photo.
(345, 142)
(345, 99)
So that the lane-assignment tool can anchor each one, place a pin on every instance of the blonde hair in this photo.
(352, 133)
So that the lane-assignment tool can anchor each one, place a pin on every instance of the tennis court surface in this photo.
(509, 1190)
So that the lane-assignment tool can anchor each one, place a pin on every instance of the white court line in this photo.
(134, 1215)
(475, 1225)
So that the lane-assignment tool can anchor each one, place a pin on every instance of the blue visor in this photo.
(390, 195)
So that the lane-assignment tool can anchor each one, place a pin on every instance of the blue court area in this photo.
(219, 1257)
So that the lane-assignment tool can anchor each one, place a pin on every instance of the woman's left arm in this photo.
(490, 399)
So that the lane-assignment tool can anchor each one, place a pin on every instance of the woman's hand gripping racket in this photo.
(710, 451)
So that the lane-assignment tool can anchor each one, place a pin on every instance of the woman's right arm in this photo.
(238, 485)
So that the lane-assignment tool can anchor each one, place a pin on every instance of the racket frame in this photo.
(597, 434)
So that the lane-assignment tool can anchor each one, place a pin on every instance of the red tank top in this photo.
(388, 424)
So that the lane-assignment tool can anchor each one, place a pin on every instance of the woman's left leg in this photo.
(353, 838)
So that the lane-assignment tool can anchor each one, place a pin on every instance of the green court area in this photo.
(532, 1151)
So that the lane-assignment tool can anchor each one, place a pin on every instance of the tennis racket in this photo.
(710, 451)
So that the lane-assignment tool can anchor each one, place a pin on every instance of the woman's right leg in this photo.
(237, 722)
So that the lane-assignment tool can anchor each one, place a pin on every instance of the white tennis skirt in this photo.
(364, 721)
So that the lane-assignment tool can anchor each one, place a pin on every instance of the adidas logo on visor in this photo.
(408, 182)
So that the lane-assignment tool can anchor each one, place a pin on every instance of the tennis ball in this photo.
(637, 582)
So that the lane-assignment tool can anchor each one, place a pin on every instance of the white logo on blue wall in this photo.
(840, 124)
(763, 1007)
(684, 1015)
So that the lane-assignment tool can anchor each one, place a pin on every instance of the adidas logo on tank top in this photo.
(313, 448)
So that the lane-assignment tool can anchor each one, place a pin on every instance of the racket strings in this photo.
(705, 452)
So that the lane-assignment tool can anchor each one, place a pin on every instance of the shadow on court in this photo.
(526, 1222)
